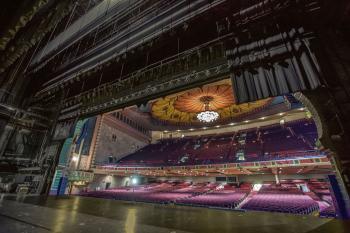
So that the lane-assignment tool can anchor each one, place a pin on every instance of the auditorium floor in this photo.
(81, 214)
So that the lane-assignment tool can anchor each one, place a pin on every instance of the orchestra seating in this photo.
(201, 194)
(322, 192)
(293, 139)
(286, 198)
(160, 193)
(220, 198)
(328, 212)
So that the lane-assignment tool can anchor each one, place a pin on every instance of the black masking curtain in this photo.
(274, 66)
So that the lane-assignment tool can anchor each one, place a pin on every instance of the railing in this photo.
(25, 118)
(181, 63)
(295, 162)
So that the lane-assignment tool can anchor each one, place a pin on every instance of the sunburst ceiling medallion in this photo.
(208, 104)
(219, 97)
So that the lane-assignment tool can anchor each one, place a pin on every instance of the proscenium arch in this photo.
(321, 106)
(315, 115)
(330, 131)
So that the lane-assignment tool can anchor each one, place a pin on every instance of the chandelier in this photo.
(207, 115)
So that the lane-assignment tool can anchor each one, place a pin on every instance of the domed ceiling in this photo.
(184, 107)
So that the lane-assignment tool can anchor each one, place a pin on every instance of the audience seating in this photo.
(329, 212)
(285, 197)
(321, 190)
(291, 140)
(160, 193)
(222, 199)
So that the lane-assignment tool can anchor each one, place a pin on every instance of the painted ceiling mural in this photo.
(184, 107)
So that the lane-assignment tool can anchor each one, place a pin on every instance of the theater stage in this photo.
(81, 214)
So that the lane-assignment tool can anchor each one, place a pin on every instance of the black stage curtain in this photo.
(277, 65)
